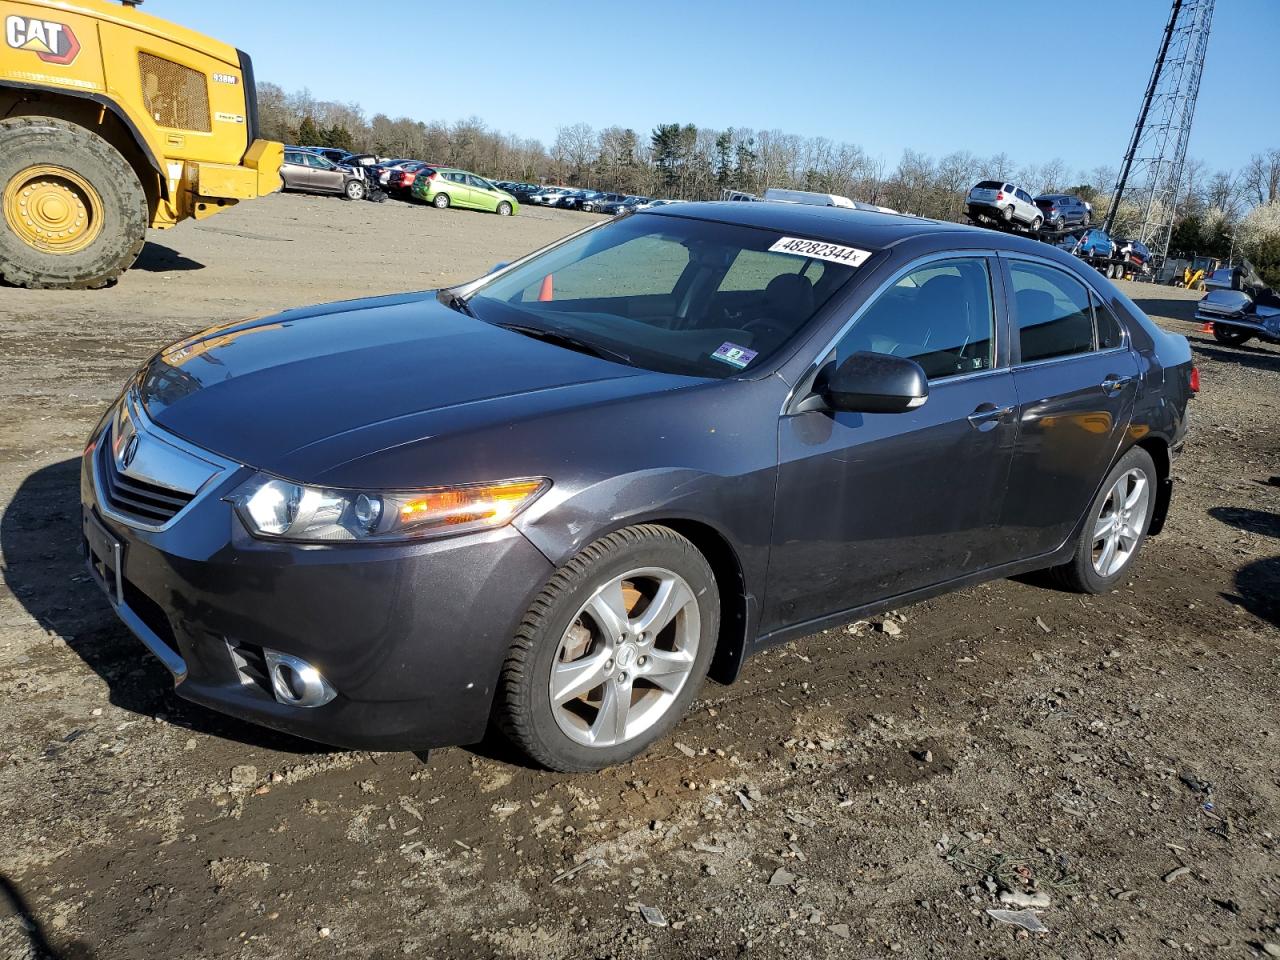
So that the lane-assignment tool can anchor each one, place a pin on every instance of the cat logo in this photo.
(51, 42)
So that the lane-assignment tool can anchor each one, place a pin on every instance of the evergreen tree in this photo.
(308, 135)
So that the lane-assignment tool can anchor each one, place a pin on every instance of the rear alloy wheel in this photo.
(1116, 526)
(441, 201)
(355, 190)
(612, 652)
(1008, 214)
(504, 209)
(1231, 336)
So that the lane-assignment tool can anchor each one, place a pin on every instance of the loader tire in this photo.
(73, 214)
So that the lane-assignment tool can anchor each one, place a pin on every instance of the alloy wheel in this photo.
(625, 657)
(1119, 526)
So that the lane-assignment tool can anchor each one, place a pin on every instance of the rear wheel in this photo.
(504, 209)
(74, 212)
(612, 652)
(1008, 214)
(1116, 526)
(441, 201)
(1230, 336)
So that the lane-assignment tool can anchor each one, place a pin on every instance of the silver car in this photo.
(999, 200)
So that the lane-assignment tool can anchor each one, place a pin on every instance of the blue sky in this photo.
(924, 74)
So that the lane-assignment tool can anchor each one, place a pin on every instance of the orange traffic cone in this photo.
(548, 289)
(1207, 328)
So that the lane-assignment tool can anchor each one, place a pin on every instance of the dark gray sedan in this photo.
(555, 499)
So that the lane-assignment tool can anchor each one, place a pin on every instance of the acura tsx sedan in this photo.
(552, 501)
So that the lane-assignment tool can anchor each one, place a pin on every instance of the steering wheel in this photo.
(766, 327)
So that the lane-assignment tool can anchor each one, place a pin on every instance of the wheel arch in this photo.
(1158, 449)
(731, 645)
(97, 113)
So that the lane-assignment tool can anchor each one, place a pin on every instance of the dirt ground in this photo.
(866, 792)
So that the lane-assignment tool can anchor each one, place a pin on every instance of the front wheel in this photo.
(1035, 225)
(1230, 336)
(612, 651)
(1115, 528)
(355, 190)
(441, 201)
(504, 209)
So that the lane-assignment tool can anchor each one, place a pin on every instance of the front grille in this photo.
(146, 502)
(176, 96)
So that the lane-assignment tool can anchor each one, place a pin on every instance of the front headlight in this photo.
(282, 510)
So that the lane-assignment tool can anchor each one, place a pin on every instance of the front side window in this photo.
(939, 315)
(1055, 316)
(678, 295)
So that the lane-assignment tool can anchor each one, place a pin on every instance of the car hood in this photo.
(304, 392)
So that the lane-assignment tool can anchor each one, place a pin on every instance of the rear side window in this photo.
(1109, 332)
(1055, 314)
(939, 315)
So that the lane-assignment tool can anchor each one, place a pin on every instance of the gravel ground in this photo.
(866, 792)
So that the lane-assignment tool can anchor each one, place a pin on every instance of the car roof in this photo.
(861, 228)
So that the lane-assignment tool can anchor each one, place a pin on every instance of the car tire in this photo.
(354, 190)
(441, 201)
(1092, 569)
(504, 209)
(1036, 224)
(1230, 336)
(560, 628)
(1007, 213)
(76, 168)
(1085, 222)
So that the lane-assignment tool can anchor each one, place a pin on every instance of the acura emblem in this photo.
(130, 451)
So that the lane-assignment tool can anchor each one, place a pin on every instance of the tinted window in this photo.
(1109, 333)
(939, 315)
(1055, 318)
(988, 185)
(294, 158)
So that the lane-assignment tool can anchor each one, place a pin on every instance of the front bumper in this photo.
(411, 636)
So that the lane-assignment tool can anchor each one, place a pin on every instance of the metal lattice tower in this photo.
(1158, 147)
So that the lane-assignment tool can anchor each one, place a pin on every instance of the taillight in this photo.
(1195, 379)
(999, 194)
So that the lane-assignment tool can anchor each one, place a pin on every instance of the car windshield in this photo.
(671, 294)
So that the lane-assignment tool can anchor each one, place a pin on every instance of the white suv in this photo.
(996, 200)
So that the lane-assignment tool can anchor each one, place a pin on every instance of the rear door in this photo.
(295, 173)
(459, 192)
(874, 505)
(1076, 379)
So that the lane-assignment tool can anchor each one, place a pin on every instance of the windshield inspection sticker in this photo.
(817, 250)
(734, 355)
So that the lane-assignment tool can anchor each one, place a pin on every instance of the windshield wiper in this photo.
(455, 302)
(568, 341)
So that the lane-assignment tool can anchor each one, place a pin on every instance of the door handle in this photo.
(988, 416)
(1113, 384)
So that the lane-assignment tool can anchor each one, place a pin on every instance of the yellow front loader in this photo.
(112, 121)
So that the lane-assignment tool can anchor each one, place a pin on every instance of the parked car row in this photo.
(1006, 203)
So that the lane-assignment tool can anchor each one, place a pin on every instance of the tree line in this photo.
(1219, 212)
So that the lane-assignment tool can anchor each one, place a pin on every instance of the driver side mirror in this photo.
(876, 383)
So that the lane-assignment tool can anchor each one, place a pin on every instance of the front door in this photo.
(1076, 380)
(871, 506)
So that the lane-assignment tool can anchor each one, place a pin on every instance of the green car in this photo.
(446, 187)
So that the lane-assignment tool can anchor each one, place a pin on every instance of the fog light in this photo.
(296, 682)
